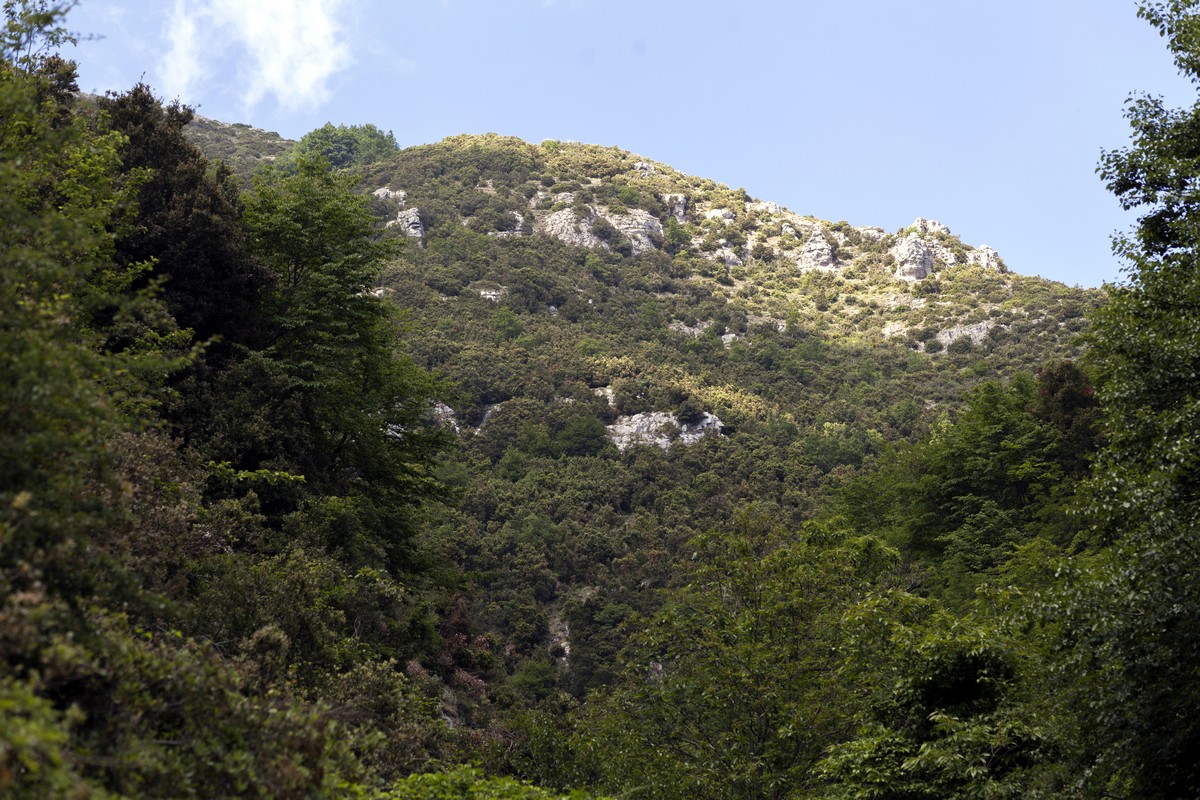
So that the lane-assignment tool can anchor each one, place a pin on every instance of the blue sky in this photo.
(988, 115)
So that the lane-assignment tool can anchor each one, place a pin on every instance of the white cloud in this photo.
(285, 49)
(181, 69)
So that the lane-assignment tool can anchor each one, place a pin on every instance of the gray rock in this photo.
(388, 193)
(872, 233)
(676, 204)
(721, 214)
(409, 221)
(914, 259)
(570, 229)
(976, 333)
(445, 415)
(644, 168)
(817, 253)
(987, 258)
(642, 228)
(929, 226)
(724, 256)
(765, 206)
(660, 429)
(692, 330)
(495, 295)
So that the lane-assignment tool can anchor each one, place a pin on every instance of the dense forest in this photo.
(488, 469)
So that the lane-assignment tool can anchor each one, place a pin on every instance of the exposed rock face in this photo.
(446, 416)
(872, 233)
(642, 228)
(570, 229)
(725, 256)
(644, 168)
(691, 330)
(388, 193)
(728, 339)
(410, 222)
(817, 253)
(676, 204)
(495, 295)
(659, 428)
(987, 258)
(976, 333)
(608, 393)
(914, 259)
(929, 226)
(942, 253)
(765, 206)
(720, 213)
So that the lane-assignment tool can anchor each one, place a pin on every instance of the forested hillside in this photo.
(491, 469)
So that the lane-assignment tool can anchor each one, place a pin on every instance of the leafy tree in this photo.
(188, 229)
(346, 146)
(731, 690)
(1133, 638)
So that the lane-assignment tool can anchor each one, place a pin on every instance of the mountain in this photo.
(633, 354)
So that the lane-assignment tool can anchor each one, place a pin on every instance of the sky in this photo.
(987, 115)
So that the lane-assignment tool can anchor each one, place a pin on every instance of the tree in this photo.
(1132, 637)
(346, 146)
(731, 691)
(330, 396)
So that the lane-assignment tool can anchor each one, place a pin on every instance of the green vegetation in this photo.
(294, 506)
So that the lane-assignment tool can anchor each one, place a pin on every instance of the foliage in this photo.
(1132, 641)
(730, 690)
(346, 146)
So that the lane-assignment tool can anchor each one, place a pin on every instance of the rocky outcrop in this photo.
(724, 256)
(570, 229)
(495, 295)
(976, 333)
(691, 330)
(642, 228)
(914, 258)
(987, 258)
(923, 226)
(765, 206)
(676, 204)
(445, 415)
(645, 168)
(817, 253)
(723, 214)
(871, 233)
(660, 429)
(388, 193)
(409, 221)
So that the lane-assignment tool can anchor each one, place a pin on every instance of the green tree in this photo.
(730, 691)
(346, 146)
(1133, 634)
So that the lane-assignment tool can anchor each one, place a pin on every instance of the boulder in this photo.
(409, 221)
(676, 204)
(642, 228)
(723, 214)
(914, 258)
(765, 206)
(817, 253)
(388, 193)
(976, 333)
(660, 429)
(987, 258)
(570, 229)
(929, 226)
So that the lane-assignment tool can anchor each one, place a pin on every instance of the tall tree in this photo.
(1133, 631)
